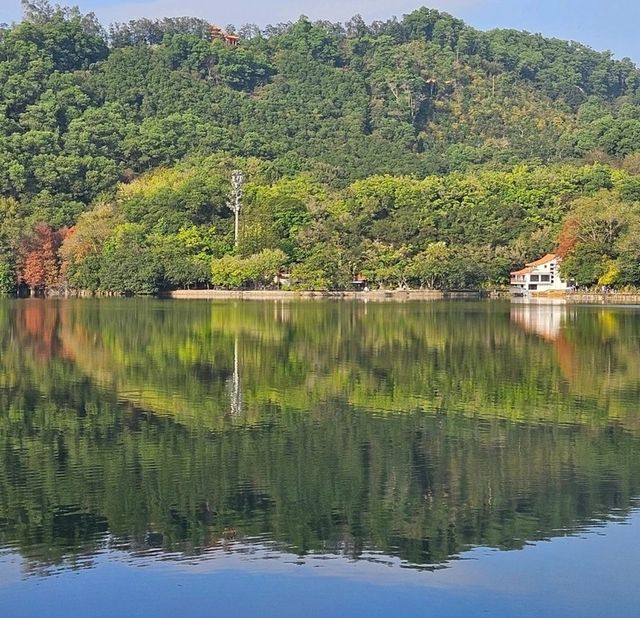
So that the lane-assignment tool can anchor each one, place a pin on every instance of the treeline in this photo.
(171, 228)
(129, 135)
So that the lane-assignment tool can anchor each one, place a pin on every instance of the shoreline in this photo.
(588, 298)
(604, 299)
(373, 295)
(575, 298)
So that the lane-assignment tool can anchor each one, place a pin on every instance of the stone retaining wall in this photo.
(608, 299)
(376, 295)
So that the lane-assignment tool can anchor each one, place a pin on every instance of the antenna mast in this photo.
(235, 201)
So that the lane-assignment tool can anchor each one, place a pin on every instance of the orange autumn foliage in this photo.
(568, 237)
(39, 260)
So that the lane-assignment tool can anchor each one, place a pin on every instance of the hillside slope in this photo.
(85, 111)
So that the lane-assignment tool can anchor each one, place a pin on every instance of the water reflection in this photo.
(379, 432)
(543, 319)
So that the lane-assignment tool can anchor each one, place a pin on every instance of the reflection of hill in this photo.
(418, 487)
(179, 361)
(82, 454)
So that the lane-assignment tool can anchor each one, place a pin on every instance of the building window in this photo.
(545, 278)
(534, 278)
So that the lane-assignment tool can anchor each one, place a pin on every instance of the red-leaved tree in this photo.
(39, 260)
(568, 236)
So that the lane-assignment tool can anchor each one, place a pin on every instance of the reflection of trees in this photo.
(81, 453)
(595, 352)
(415, 486)
(179, 359)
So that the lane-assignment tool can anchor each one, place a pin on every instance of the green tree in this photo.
(431, 267)
(128, 264)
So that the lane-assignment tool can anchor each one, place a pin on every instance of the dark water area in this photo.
(319, 458)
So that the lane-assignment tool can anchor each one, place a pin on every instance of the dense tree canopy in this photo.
(386, 149)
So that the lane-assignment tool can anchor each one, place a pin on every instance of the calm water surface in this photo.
(318, 458)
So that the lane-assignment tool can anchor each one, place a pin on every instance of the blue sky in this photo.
(603, 24)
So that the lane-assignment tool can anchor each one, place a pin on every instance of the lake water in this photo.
(318, 458)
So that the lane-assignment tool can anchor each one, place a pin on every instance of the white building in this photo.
(543, 275)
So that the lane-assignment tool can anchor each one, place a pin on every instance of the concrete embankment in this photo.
(606, 299)
(576, 298)
(374, 295)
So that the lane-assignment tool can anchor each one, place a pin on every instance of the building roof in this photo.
(543, 260)
(532, 265)
(524, 271)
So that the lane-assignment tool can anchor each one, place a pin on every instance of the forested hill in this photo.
(86, 111)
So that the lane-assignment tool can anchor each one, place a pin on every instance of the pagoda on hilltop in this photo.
(218, 34)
